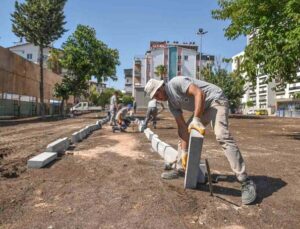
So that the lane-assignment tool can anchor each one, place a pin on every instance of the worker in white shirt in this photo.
(113, 108)
(152, 112)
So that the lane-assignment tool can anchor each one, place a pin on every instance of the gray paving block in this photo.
(82, 134)
(202, 172)
(41, 160)
(170, 154)
(194, 153)
(161, 147)
(148, 133)
(154, 143)
(75, 137)
(60, 145)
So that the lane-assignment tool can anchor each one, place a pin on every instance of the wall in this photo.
(19, 81)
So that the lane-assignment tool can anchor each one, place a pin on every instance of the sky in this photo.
(130, 25)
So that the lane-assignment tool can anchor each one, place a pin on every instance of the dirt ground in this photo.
(113, 180)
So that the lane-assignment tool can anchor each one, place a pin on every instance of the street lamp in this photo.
(200, 32)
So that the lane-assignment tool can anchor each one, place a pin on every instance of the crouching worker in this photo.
(152, 112)
(210, 106)
(122, 120)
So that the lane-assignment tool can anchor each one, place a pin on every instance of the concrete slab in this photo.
(194, 152)
(161, 148)
(82, 134)
(60, 145)
(148, 133)
(202, 172)
(170, 154)
(41, 160)
(75, 137)
(154, 143)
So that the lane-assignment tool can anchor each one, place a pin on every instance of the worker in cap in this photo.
(209, 105)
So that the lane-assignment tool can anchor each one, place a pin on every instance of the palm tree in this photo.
(161, 70)
(53, 61)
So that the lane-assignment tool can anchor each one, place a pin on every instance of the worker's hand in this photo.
(184, 158)
(196, 124)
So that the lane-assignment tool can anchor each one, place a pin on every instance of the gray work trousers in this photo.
(217, 116)
(151, 116)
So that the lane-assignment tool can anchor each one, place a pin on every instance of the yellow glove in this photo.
(184, 158)
(196, 124)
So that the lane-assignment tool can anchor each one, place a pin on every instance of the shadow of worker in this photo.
(265, 186)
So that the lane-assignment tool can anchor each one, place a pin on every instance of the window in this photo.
(29, 56)
(186, 57)
(179, 57)
(179, 68)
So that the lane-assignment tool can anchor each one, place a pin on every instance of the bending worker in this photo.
(209, 105)
(152, 112)
(121, 118)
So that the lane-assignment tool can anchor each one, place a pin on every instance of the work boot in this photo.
(172, 174)
(248, 192)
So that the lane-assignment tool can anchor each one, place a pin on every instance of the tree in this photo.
(249, 103)
(85, 56)
(40, 22)
(94, 95)
(127, 99)
(274, 27)
(63, 90)
(161, 70)
(231, 83)
(53, 61)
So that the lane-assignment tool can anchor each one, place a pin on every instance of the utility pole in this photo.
(200, 32)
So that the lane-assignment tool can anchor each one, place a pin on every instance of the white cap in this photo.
(152, 86)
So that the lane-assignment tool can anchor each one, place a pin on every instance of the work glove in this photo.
(184, 158)
(196, 124)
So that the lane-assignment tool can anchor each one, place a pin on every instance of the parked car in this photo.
(251, 112)
(261, 112)
(84, 107)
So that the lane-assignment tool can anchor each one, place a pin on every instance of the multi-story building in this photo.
(178, 58)
(128, 81)
(30, 52)
(268, 95)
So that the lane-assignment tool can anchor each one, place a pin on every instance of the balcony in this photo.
(262, 91)
(137, 73)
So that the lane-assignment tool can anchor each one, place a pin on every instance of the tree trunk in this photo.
(62, 112)
(42, 107)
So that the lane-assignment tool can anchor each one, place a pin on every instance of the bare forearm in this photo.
(184, 135)
(199, 104)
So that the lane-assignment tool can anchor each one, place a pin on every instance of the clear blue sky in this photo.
(130, 25)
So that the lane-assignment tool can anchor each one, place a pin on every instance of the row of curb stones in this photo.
(62, 144)
(169, 154)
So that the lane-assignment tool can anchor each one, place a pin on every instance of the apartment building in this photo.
(268, 95)
(178, 58)
(128, 81)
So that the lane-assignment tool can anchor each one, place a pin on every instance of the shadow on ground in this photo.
(265, 186)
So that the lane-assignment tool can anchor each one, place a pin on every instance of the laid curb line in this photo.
(62, 144)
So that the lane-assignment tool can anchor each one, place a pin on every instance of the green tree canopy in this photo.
(231, 83)
(86, 56)
(40, 22)
(275, 29)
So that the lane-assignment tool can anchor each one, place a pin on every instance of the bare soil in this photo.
(112, 180)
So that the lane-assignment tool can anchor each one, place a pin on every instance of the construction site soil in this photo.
(112, 180)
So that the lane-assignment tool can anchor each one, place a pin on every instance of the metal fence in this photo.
(21, 108)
